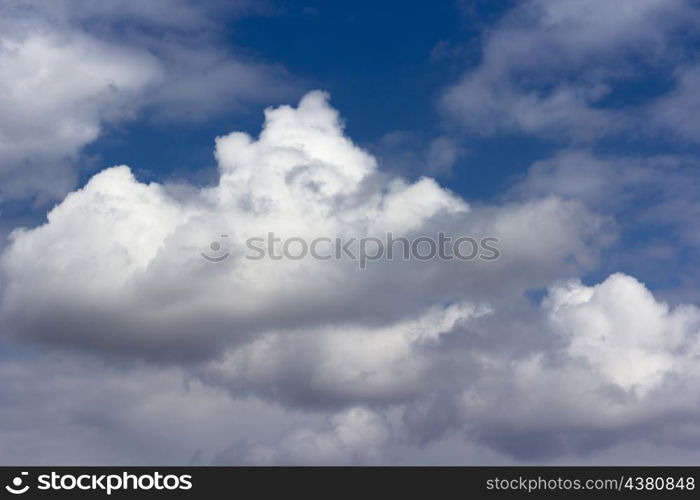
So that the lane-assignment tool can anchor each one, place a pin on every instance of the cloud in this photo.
(180, 14)
(61, 407)
(551, 393)
(340, 365)
(675, 112)
(353, 437)
(590, 369)
(652, 198)
(593, 368)
(161, 65)
(49, 113)
(118, 248)
(547, 66)
(372, 366)
(619, 328)
(406, 153)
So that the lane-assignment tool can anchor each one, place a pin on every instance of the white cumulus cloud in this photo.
(122, 249)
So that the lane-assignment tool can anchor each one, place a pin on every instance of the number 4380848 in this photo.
(660, 483)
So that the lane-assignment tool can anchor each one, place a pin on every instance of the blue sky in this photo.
(386, 72)
(133, 137)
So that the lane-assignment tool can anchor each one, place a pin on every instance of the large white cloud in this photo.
(396, 357)
(124, 258)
